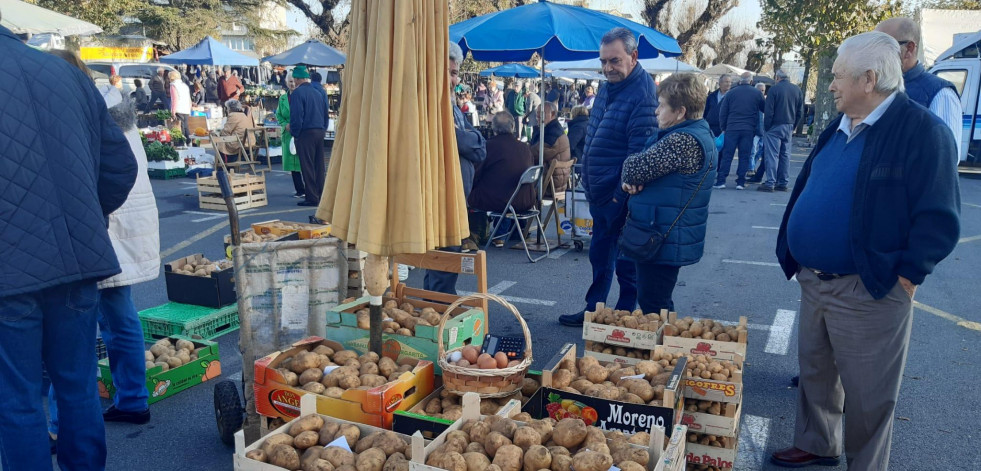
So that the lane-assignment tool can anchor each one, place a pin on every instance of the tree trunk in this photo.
(803, 85)
(824, 102)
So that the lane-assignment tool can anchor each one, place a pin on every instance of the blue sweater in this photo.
(621, 122)
(905, 215)
(308, 109)
(64, 166)
(819, 227)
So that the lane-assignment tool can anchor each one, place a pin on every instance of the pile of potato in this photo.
(631, 320)
(700, 366)
(497, 444)
(203, 267)
(703, 329)
(704, 407)
(402, 319)
(702, 467)
(619, 351)
(589, 377)
(250, 237)
(351, 371)
(710, 440)
(167, 354)
(303, 448)
(287, 226)
(449, 406)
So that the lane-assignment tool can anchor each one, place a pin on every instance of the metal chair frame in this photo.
(532, 176)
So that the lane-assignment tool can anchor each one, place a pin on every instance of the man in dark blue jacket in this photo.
(784, 109)
(875, 208)
(713, 103)
(739, 117)
(64, 166)
(621, 122)
(308, 125)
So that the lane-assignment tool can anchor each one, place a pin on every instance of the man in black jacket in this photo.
(739, 118)
(784, 107)
(875, 208)
(714, 102)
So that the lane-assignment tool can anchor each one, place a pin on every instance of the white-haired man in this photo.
(472, 150)
(875, 208)
(933, 92)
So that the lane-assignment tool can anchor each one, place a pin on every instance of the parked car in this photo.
(129, 71)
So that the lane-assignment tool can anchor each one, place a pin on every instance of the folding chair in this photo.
(530, 177)
(262, 137)
(553, 210)
(244, 159)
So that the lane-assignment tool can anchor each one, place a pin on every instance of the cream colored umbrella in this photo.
(394, 183)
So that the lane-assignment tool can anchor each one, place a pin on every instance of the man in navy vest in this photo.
(927, 89)
(620, 124)
(874, 209)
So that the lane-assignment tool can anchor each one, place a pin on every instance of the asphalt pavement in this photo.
(737, 276)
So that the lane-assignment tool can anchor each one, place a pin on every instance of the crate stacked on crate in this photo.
(622, 336)
(355, 267)
(713, 391)
(178, 363)
(188, 320)
(416, 338)
(249, 191)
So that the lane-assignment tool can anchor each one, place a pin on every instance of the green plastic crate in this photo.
(188, 320)
(166, 174)
(162, 384)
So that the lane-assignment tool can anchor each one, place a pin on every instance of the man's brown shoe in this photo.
(796, 458)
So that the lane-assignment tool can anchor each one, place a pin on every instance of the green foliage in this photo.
(158, 152)
(808, 27)
(952, 4)
(163, 115)
(176, 134)
(107, 14)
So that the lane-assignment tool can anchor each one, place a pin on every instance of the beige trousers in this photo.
(852, 352)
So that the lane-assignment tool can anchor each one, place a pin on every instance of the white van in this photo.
(961, 65)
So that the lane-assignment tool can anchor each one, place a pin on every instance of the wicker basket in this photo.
(498, 382)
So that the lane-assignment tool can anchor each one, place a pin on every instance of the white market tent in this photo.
(24, 18)
(718, 70)
(657, 65)
(939, 28)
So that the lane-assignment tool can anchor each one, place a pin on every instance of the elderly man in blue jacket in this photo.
(621, 122)
(64, 166)
(875, 208)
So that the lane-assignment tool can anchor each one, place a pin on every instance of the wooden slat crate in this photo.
(249, 192)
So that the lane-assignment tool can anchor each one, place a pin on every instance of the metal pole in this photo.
(541, 146)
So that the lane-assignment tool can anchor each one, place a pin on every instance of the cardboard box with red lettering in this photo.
(375, 406)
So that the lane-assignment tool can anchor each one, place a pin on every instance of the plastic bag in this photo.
(720, 141)
(293, 146)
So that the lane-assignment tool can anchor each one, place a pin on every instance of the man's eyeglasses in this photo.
(903, 43)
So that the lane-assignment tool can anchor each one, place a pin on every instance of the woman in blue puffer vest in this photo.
(671, 182)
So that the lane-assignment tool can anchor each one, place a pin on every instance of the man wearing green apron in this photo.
(291, 163)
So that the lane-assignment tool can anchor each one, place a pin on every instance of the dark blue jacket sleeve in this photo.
(769, 109)
(117, 165)
(723, 114)
(641, 125)
(470, 143)
(297, 110)
(934, 204)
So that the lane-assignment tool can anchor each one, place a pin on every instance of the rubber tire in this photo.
(579, 245)
(229, 412)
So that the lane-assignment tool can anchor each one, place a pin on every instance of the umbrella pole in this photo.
(541, 148)
(376, 281)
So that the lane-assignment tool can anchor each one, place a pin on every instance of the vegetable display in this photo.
(449, 406)
(401, 319)
(705, 329)
(631, 320)
(324, 371)
(203, 267)
(700, 366)
(167, 354)
(643, 383)
(619, 351)
(159, 152)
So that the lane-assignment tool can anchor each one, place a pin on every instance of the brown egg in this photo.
(486, 362)
(470, 353)
(502, 359)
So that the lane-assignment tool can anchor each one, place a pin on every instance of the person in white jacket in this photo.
(135, 235)
(180, 100)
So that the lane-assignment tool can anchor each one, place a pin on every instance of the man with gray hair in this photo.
(621, 123)
(472, 150)
(783, 110)
(714, 101)
(157, 90)
(875, 208)
(933, 92)
(739, 117)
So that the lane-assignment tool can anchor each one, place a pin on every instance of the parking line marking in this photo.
(969, 239)
(769, 228)
(501, 287)
(971, 205)
(558, 253)
(950, 317)
(750, 262)
(517, 300)
(783, 326)
(778, 204)
(753, 436)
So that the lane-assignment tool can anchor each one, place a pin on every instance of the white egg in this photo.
(455, 356)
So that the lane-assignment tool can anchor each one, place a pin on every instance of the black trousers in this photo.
(154, 96)
(298, 183)
(183, 119)
(310, 150)
(655, 284)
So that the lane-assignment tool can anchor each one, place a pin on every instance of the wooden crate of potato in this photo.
(711, 451)
(712, 417)
(303, 230)
(173, 364)
(521, 442)
(623, 328)
(612, 353)
(705, 337)
(361, 388)
(316, 442)
(626, 398)
(708, 379)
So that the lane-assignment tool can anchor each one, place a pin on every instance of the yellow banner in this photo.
(121, 54)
